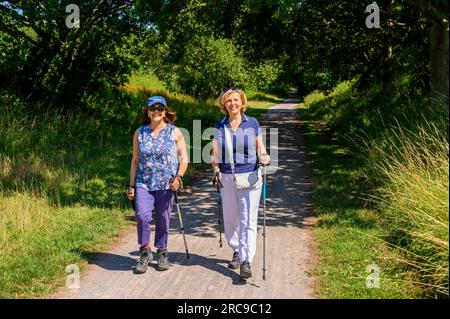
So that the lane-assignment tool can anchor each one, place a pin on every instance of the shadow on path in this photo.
(114, 262)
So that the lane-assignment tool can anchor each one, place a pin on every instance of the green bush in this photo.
(53, 66)
(362, 114)
(207, 65)
(265, 74)
(315, 101)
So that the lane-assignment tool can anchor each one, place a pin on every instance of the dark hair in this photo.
(170, 117)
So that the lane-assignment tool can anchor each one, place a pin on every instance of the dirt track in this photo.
(289, 246)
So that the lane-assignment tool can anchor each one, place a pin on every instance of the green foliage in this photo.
(249, 30)
(56, 156)
(314, 100)
(350, 111)
(265, 75)
(400, 140)
(54, 66)
(207, 66)
(146, 78)
(317, 44)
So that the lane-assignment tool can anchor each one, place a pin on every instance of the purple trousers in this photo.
(161, 202)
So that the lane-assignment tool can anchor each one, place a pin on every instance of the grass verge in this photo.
(38, 241)
(381, 192)
(355, 262)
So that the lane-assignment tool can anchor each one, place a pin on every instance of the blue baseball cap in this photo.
(156, 99)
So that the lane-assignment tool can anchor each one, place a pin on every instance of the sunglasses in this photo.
(157, 107)
(232, 88)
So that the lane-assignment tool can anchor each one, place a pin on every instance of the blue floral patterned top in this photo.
(158, 159)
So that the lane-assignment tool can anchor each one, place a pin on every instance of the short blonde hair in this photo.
(223, 97)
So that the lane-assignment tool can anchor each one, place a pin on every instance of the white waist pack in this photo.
(251, 180)
(242, 181)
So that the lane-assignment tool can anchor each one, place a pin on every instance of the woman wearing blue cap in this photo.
(158, 165)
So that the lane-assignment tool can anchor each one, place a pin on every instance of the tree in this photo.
(437, 12)
(208, 65)
(318, 43)
(58, 65)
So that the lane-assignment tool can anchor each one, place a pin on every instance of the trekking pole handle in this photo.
(132, 191)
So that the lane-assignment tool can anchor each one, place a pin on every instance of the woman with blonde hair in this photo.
(237, 150)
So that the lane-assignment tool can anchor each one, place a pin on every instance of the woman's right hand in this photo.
(216, 177)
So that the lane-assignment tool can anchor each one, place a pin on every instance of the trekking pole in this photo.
(264, 222)
(219, 186)
(181, 222)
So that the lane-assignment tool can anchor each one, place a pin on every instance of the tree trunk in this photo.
(439, 60)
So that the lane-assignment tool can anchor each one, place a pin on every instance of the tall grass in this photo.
(66, 159)
(146, 79)
(400, 150)
(62, 181)
(414, 200)
(347, 235)
(313, 98)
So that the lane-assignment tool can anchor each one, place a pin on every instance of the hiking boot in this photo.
(246, 272)
(163, 259)
(235, 262)
(145, 259)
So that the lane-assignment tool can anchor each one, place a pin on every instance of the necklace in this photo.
(234, 126)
